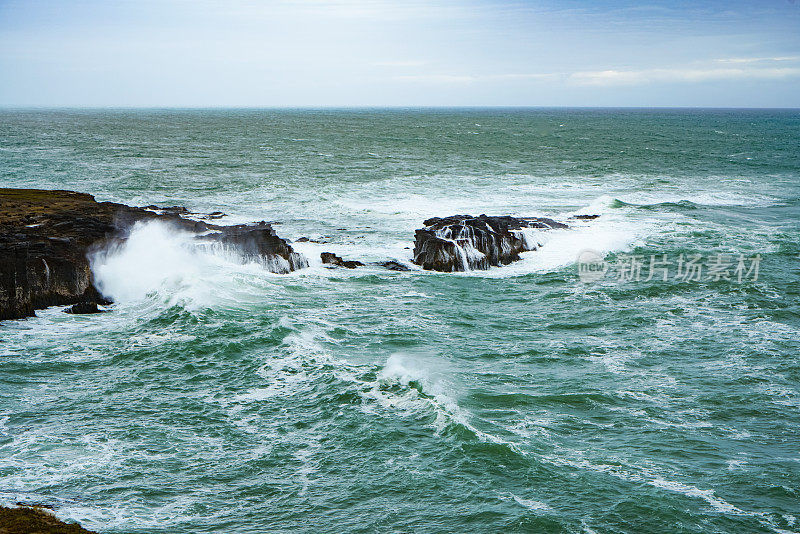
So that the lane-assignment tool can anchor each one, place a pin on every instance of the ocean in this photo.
(656, 390)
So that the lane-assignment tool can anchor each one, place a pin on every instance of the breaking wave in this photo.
(157, 260)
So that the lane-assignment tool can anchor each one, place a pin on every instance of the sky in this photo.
(345, 53)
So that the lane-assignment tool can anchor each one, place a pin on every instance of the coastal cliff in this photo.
(35, 520)
(46, 237)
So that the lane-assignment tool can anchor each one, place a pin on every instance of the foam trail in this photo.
(615, 230)
(611, 232)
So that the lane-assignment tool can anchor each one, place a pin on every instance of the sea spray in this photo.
(415, 382)
(616, 229)
(159, 260)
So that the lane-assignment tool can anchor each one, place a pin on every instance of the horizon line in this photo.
(378, 107)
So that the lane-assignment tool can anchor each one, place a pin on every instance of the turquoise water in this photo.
(218, 397)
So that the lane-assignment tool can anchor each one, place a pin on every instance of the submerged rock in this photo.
(393, 265)
(464, 242)
(83, 307)
(45, 237)
(332, 259)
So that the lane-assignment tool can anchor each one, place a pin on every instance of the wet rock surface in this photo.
(83, 308)
(330, 258)
(465, 242)
(257, 242)
(322, 240)
(45, 237)
(393, 265)
(183, 212)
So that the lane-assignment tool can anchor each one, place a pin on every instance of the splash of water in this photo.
(160, 261)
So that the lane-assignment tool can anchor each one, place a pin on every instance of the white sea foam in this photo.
(707, 198)
(426, 387)
(692, 491)
(409, 383)
(530, 504)
(159, 260)
(433, 392)
(640, 475)
(615, 230)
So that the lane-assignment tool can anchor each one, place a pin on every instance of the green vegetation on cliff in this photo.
(35, 520)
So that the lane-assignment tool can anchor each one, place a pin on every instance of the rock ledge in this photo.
(45, 237)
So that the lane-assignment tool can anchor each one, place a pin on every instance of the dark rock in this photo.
(464, 242)
(45, 237)
(394, 266)
(258, 242)
(332, 259)
(184, 212)
(83, 307)
(585, 217)
(175, 210)
(309, 240)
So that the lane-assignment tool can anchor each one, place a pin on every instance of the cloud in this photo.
(678, 75)
(757, 59)
(435, 78)
(399, 64)
(549, 76)
(613, 78)
(470, 78)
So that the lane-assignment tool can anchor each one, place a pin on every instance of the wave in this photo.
(408, 384)
(707, 198)
(158, 261)
(418, 384)
(642, 475)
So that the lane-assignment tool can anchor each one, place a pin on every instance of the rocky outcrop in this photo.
(330, 258)
(45, 237)
(464, 242)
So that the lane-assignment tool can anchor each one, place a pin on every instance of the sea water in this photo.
(216, 396)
